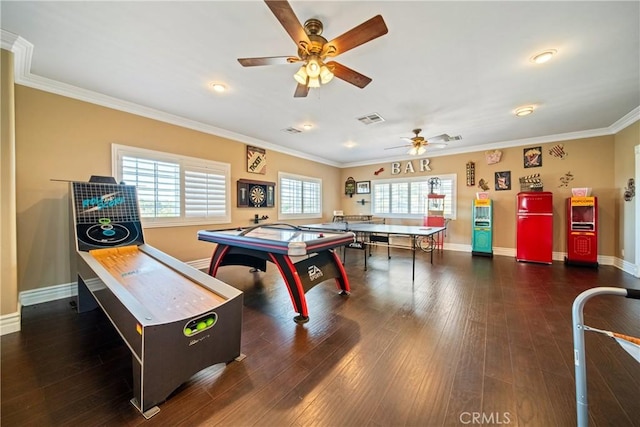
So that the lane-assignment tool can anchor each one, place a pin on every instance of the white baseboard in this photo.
(457, 247)
(50, 293)
(626, 266)
(201, 264)
(10, 323)
(505, 252)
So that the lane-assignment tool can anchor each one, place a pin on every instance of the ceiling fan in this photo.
(313, 49)
(419, 144)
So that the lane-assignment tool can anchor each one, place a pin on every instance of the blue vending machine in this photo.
(482, 233)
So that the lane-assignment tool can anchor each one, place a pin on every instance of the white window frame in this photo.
(186, 163)
(452, 198)
(312, 215)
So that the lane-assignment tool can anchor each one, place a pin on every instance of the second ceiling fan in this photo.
(314, 49)
(418, 144)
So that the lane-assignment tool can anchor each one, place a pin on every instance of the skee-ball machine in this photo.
(175, 319)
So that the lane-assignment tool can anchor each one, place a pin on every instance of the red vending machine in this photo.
(534, 234)
(582, 231)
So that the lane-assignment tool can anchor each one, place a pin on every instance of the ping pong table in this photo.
(370, 234)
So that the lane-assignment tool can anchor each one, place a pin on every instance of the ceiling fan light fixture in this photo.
(313, 67)
(413, 151)
(325, 74)
(421, 150)
(314, 82)
(301, 76)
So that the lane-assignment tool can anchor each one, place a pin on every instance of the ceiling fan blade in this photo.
(437, 144)
(367, 31)
(301, 91)
(348, 75)
(288, 19)
(445, 137)
(398, 146)
(267, 60)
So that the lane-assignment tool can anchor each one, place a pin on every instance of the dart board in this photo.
(256, 194)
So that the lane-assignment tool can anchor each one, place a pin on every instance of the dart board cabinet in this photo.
(256, 194)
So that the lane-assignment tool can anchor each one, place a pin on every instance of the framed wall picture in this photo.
(532, 157)
(503, 181)
(363, 187)
(256, 160)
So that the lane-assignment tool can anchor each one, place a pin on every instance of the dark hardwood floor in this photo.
(473, 340)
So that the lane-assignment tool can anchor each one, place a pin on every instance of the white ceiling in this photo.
(460, 68)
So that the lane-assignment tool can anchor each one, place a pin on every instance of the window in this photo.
(300, 196)
(173, 189)
(406, 198)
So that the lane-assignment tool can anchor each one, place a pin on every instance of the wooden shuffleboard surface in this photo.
(168, 295)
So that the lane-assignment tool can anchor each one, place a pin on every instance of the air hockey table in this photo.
(303, 257)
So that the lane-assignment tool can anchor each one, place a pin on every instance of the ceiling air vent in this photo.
(291, 130)
(370, 119)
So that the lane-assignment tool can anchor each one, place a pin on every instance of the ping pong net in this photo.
(357, 219)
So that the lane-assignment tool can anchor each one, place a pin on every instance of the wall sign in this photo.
(256, 160)
(363, 187)
(532, 157)
(493, 156)
(256, 194)
(396, 167)
(350, 186)
(503, 180)
(471, 174)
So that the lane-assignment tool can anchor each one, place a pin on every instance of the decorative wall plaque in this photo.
(503, 180)
(532, 157)
(256, 160)
(471, 174)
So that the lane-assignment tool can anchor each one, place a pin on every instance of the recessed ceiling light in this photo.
(350, 144)
(307, 126)
(218, 87)
(524, 111)
(543, 57)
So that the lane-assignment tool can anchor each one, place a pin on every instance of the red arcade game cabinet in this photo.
(582, 231)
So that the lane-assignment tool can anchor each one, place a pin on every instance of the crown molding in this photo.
(626, 121)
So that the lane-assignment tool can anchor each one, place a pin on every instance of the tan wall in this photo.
(626, 217)
(8, 256)
(62, 138)
(591, 161)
